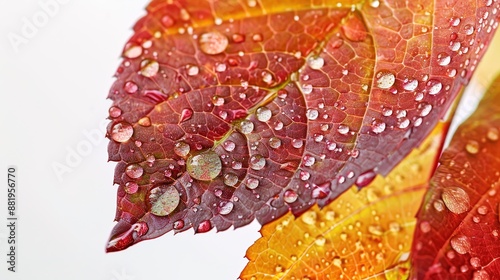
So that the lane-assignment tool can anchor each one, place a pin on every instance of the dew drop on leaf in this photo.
(205, 166)
(213, 42)
(493, 134)
(131, 187)
(230, 179)
(134, 171)
(472, 147)
(245, 126)
(257, 162)
(164, 202)
(456, 200)
(443, 59)
(385, 79)
(410, 85)
(434, 87)
(461, 244)
(263, 114)
(365, 179)
(226, 208)
(149, 68)
(133, 51)
(290, 196)
(274, 142)
(229, 145)
(115, 112)
(181, 149)
(315, 63)
(252, 183)
(186, 114)
(122, 132)
(130, 87)
(204, 226)
(179, 224)
(480, 275)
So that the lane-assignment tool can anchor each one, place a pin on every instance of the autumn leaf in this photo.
(363, 234)
(227, 111)
(458, 233)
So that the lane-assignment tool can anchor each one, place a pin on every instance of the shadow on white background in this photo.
(54, 80)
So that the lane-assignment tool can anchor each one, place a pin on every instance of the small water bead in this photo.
(218, 101)
(461, 244)
(167, 21)
(404, 123)
(226, 208)
(434, 87)
(182, 149)
(378, 126)
(468, 29)
(164, 202)
(149, 68)
(425, 227)
(365, 178)
(307, 88)
(438, 205)
(386, 112)
(245, 126)
(193, 70)
(443, 59)
(263, 114)
(133, 51)
(131, 187)
(213, 42)
(229, 145)
(343, 129)
(312, 114)
(385, 79)
(455, 21)
(482, 210)
(130, 87)
(204, 166)
(309, 160)
(374, 3)
(472, 147)
(204, 226)
(278, 125)
(221, 67)
(410, 85)
(257, 37)
(274, 142)
(257, 162)
(115, 112)
(230, 179)
(145, 121)
(290, 196)
(480, 275)
(134, 171)
(122, 132)
(493, 134)
(315, 63)
(252, 183)
(238, 38)
(456, 199)
(451, 72)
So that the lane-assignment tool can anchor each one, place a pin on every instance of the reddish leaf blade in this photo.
(215, 124)
(458, 233)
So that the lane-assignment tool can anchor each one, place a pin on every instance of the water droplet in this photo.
(133, 51)
(426, 109)
(309, 217)
(443, 59)
(385, 79)
(115, 112)
(312, 114)
(374, 3)
(229, 145)
(218, 101)
(204, 226)
(226, 208)
(343, 129)
(321, 191)
(493, 134)
(315, 62)
(297, 143)
(213, 42)
(149, 68)
(307, 88)
(193, 70)
(164, 202)
(320, 241)
(182, 149)
(263, 114)
(145, 121)
(122, 132)
(404, 123)
(482, 210)
(245, 126)
(230, 179)
(378, 126)
(238, 38)
(257, 37)
(475, 262)
(131, 187)
(130, 87)
(456, 199)
(252, 183)
(469, 29)
(221, 67)
(309, 160)
(290, 196)
(274, 142)
(425, 227)
(375, 230)
(472, 147)
(186, 114)
(167, 21)
(438, 205)
(461, 244)
(410, 85)
(365, 179)
(434, 87)
(205, 166)
(134, 171)
(257, 162)
(480, 275)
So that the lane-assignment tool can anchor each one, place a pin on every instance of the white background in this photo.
(54, 88)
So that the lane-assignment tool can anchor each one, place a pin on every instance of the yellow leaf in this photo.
(365, 234)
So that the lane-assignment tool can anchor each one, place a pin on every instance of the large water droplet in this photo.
(426, 109)
(378, 126)
(461, 244)
(480, 275)
(274, 142)
(230, 179)
(134, 171)
(365, 179)
(122, 132)
(434, 87)
(205, 166)
(343, 129)
(182, 149)
(164, 201)
(385, 79)
(290, 196)
(307, 88)
(312, 114)
(245, 126)
(263, 114)
(226, 208)
(443, 59)
(315, 62)
(410, 85)
(229, 145)
(456, 199)
(149, 68)
(204, 226)
(252, 183)
(257, 162)
(213, 42)
(186, 114)
(133, 51)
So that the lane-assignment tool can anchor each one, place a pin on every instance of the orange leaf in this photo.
(363, 234)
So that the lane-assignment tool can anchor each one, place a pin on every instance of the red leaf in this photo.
(225, 111)
(458, 233)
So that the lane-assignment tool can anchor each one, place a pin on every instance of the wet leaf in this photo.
(229, 111)
(458, 232)
(363, 234)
